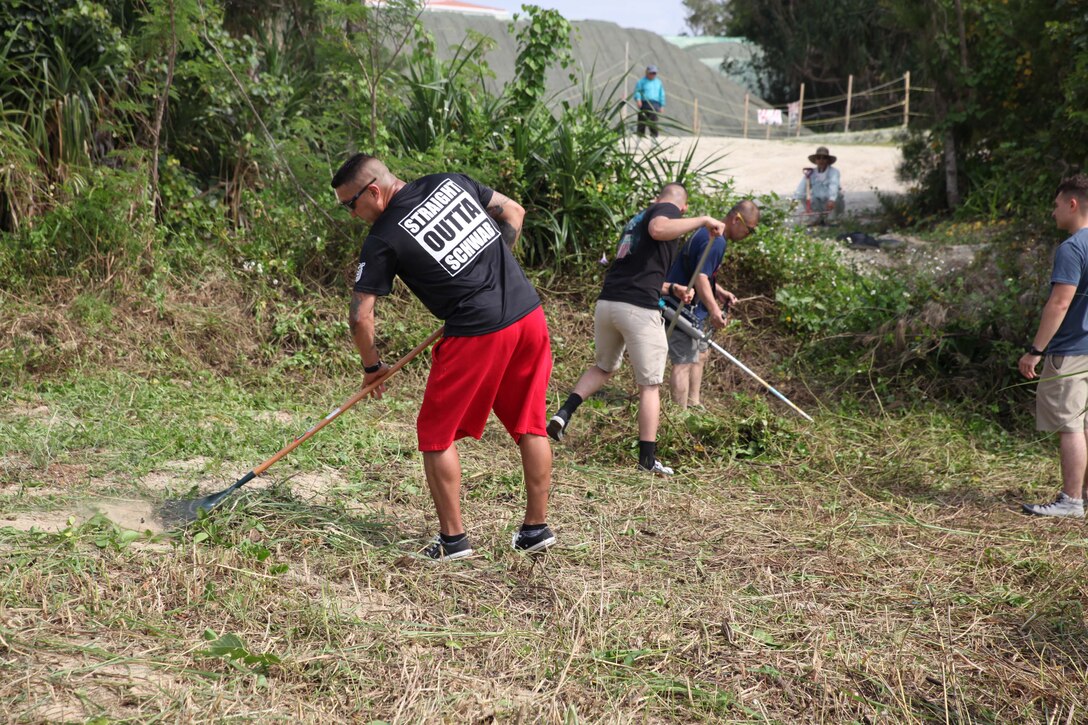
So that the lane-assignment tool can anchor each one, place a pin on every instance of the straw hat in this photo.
(822, 151)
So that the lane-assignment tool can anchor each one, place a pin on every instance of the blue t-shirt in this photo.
(650, 89)
(684, 266)
(1071, 267)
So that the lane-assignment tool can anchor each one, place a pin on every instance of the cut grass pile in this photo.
(858, 569)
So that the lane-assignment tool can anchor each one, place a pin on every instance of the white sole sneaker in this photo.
(546, 543)
(556, 427)
(659, 469)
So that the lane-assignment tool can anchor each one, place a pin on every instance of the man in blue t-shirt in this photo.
(687, 355)
(1061, 343)
(650, 96)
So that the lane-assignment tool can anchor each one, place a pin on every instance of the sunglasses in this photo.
(747, 229)
(350, 203)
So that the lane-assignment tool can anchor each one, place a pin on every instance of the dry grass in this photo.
(869, 575)
(863, 569)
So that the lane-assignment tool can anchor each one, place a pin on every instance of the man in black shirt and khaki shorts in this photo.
(628, 317)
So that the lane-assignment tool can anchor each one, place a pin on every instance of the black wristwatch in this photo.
(1032, 350)
(368, 369)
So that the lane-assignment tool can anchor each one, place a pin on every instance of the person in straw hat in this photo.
(820, 188)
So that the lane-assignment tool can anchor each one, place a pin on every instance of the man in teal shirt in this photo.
(650, 97)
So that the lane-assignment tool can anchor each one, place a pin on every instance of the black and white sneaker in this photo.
(439, 550)
(659, 469)
(532, 542)
(558, 424)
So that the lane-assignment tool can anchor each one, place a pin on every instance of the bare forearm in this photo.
(361, 323)
(1053, 313)
(665, 230)
(706, 295)
(509, 216)
(510, 233)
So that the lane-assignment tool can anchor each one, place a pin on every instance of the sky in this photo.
(665, 17)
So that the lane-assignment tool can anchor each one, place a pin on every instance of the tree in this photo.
(168, 27)
(818, 47)
(543, 41)
(1005, 117)
(374, 33)
(708, 17)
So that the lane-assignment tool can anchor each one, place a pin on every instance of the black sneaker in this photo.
(439, 551)
(558, 424)
(533, 541)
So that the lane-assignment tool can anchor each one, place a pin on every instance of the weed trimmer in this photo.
(691, 283)
(185, 511)
(684, 324)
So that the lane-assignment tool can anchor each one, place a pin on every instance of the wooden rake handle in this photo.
(365, 391)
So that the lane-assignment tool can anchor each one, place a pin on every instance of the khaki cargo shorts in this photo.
(618, 325)
(1061, 399)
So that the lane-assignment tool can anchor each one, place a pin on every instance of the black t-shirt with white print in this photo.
(636, 278)
(436, 236)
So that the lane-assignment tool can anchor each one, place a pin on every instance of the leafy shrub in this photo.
(815, 289)
(105, 228)
(750, 430)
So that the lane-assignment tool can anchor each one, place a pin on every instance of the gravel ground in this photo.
(761, 166)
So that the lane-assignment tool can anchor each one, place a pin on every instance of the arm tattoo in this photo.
(509, 233)
(353, 313)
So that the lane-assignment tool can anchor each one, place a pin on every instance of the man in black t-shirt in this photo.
(627, 316)
(449, 239)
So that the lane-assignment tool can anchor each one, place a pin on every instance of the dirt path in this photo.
(761, 166)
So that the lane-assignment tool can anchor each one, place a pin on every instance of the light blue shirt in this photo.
(825, 186)
(650, 89)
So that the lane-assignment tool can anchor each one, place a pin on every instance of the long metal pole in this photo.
(758, 379)
(691, 283)
(688, 329)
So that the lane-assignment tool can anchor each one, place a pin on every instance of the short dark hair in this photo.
(1075, 186)
(349, 169)
(747, 209)
(673, 187)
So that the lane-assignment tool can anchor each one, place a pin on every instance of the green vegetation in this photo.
(846, 571)
(1000, 118)
(170, 324)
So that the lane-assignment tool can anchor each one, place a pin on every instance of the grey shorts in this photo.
(1061, 399)
(685, 349)
(641, 331)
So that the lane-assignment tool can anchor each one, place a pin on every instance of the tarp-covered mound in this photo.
(600, 49)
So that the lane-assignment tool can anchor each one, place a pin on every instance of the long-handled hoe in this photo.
(188, 510)
(677, 319)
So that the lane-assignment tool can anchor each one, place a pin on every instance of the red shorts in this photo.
(505, 371)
